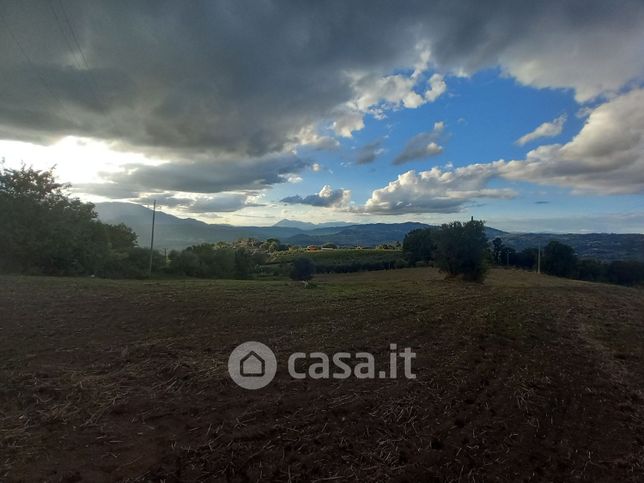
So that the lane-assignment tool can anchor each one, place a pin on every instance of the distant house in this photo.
(312, 248)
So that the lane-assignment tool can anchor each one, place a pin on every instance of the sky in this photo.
(527, 115)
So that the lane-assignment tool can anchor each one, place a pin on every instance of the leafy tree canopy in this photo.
(559, 259)
(461, 249)
(46, 231)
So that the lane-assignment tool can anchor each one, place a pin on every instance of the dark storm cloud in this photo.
(209, 176)
(168, 200)
(224, 202)
(114, 191)
(181, 79)
(216, 203)
(221, 75)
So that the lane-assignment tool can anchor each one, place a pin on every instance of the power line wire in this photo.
(77, 63)
(88, 70)
(30, 62)
(73, 32)
(63, 34)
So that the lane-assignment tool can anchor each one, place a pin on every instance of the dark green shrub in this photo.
(302, 268)
(559, 259)
(45, 231)
(627, 272)
(461, 249)
(418, 246)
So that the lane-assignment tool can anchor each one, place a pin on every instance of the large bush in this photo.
(345, 260)
(527, 258)
(418, 246)
(629, 272)
(131, 263)
(215, 261)
(591, 270)
(559, 259)
(302, 268)
(461, 249)
(44, 231)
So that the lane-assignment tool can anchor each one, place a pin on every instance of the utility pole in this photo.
(154, 212)
(539, 259)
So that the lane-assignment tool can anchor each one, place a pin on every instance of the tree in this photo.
(246, 262)
(185, 263)
(121, 237)
(591, 270)
(626, 272)
(272, 245)
(302, 268)
(248, 243)
(461, 249)
(216, 261)
(526, 259)
(131, 263)
(45, 231)
(559, 259)
(418, 245)
(507, 256)
(497, 248)
(211, 261)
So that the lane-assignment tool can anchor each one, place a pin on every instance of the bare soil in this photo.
(522, 378)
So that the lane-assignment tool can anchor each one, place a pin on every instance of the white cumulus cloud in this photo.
(435, 191)
(437, 87)
(547, 129)
(326, 198)
(605, 157)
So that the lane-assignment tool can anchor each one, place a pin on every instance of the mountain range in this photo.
(172, 232)
(304, 225)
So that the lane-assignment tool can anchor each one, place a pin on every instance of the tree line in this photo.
(44, 231)
(460, 249)
(47, 232)
(560, 259)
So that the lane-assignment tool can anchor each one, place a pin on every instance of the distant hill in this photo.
(602, 246)
(370, 234)
(176, 233)
(304, 225)
(363, 235)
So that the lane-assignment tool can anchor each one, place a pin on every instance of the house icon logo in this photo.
(252, 365)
